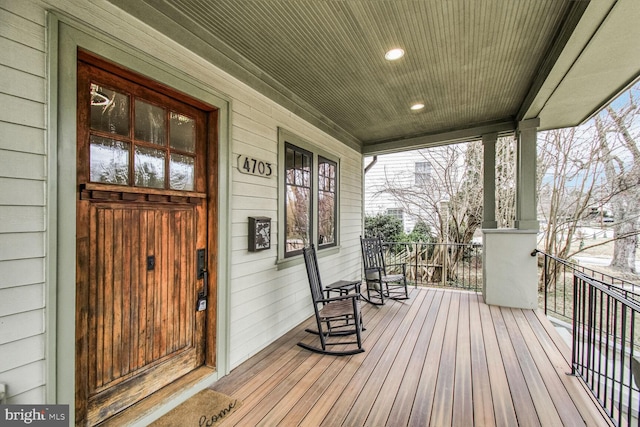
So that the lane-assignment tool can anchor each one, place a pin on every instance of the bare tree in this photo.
(455, 177)
(505, 182)
(569, 180)
(617, 134)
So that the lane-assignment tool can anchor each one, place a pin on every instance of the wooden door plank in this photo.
(152, 289)
(173, 279)
(117, 306)
(134, 256)
(165, 263)
(141, 291)
(481, 385)
(107, 274)
(127, 325)
(401, 409)
(94, 304)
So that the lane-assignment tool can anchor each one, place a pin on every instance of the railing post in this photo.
(575, 325)
(545, 282)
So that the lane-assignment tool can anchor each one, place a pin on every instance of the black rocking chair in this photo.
(379, 283)
(337, 316)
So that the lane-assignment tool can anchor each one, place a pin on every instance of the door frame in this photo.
(65, 37)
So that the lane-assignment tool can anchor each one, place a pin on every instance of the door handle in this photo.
(205, 286)
(202, 273)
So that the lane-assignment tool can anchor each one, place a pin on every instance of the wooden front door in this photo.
(142, 241)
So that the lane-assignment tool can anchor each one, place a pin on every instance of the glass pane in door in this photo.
(149, 167)
(109, 110)
(181, 172)
(182, 132)
(150, 123)
(108, 161)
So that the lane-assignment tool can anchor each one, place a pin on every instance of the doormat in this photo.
(207, 408)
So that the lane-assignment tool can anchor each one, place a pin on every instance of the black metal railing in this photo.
(556, 284)
(451, 265)
(606, 345)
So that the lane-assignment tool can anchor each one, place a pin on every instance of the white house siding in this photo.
(396, 167)
(22, 201)
(399, 169)
(264, 301)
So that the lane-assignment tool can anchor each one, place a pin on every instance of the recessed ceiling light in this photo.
(394, 54)
(417, 106)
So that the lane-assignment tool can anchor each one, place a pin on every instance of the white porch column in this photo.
(489, 181)
(526, 198)
(510, 272)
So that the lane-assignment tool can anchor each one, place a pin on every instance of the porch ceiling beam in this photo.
(434, 140)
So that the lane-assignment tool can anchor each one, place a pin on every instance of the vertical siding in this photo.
(264, 302)
(22, 201)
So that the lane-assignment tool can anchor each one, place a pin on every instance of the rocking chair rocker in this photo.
(381, 284)
(337, 316)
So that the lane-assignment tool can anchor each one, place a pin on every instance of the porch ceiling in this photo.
(477, 66)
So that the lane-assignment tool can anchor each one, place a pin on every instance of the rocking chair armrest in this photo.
(339, 298)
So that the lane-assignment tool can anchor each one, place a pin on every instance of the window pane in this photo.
(327, 202)
(298, 199)
(181, 172)
(109, 110)
(289, 166)
(149, 167)
(326, 218)
(422, 173)
(182, 132)
(306, 170)
(298, 209)
(150, 123)
(109, 161)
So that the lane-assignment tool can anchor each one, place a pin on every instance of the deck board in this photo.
(440, 358)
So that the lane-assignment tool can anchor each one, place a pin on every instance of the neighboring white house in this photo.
(418, 175)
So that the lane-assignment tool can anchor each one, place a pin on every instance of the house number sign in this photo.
(253, 166)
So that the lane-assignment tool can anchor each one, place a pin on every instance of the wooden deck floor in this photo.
(442, 358)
